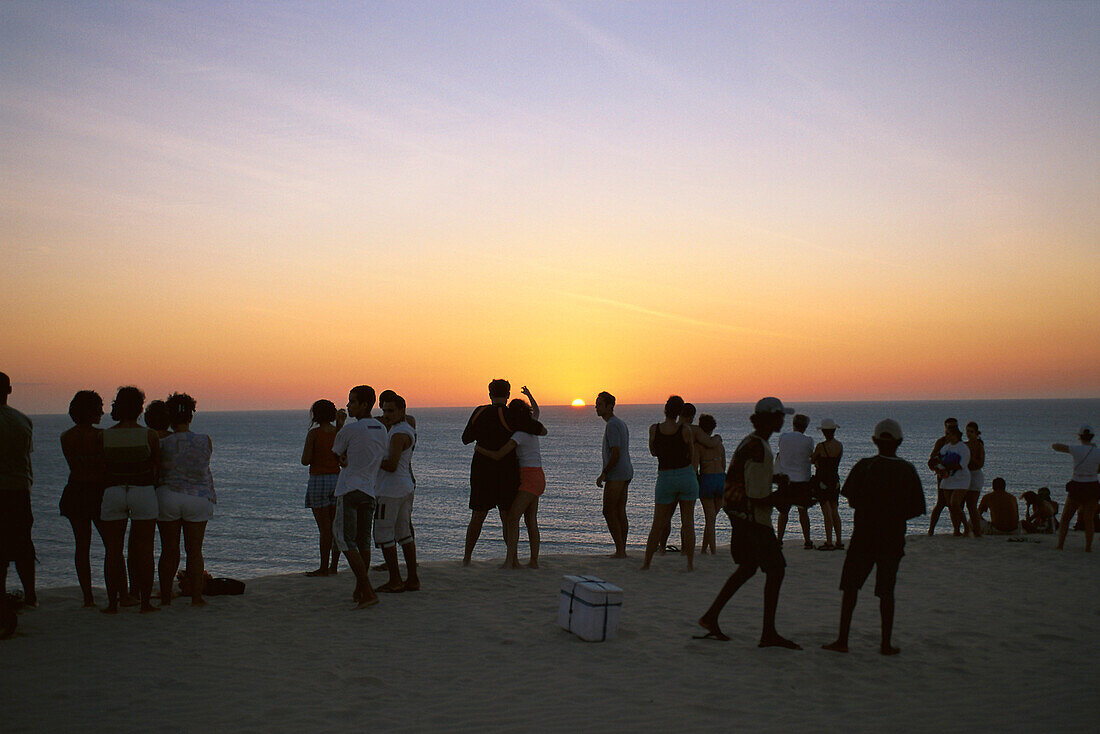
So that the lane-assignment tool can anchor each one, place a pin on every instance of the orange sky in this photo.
(570, 198)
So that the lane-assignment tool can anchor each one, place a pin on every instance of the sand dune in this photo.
(994, 635)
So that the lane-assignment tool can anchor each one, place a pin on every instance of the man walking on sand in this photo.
(493, 483)
(748, 502)
(361, 446)
(16, 476)
(617, 471)
(885, 492)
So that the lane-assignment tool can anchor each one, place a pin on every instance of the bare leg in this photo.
(534, 537)
(709, 620)
(781, 523)
(412, 580)
(323, 518)
(710, 510)
(393, 583)
(847, 606)
(335, 561)
(972, 509)
(662, 520)
(687, 531)
(614, 512)
(804, 520)
(518, 509)
(886, 611)
(82, 537)
(473, 532)
(169, 557)
(141, 535)
(955, 507)
(114, 538)
(941, 503)
(668, 531)
(1088, 521)
(769, 637)
(25, 569)
(363, 593)
(1072, 505)
(193, 534)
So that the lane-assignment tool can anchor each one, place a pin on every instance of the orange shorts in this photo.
(532, 480)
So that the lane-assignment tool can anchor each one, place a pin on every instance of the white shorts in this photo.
(393, 521)
(136, 503)
(977, 479)
(179, 506)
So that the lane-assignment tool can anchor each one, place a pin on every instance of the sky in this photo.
(266, 204)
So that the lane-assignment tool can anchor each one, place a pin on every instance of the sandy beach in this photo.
(994, 635)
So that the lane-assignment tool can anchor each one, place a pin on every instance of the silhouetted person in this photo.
(16, 477)
(1004, 510)
(748, 502)
(1083, 489)
(617, 471)
(82, 446)
(796, 450)
(396, 486)
(673, 443)
(885, 492)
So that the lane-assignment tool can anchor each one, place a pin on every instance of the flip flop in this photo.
(712, 635)
(672, 549)
(387, 589)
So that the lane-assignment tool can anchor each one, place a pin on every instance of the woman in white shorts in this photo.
(186, 496)
(132, 455)
(976, 446)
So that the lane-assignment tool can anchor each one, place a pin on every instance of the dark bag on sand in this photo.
(224, 587)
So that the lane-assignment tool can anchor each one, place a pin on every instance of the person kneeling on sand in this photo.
(1041, 513)
(884, 491)
(748, 502)
(1004, 511)
(361, 447)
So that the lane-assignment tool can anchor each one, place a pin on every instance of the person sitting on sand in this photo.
(1004, 511)
(396, 486)
(324, 472)
(186, 497)
(617, 472)
(793, 466)
(1083, 489)
(492, 483)
(826, 489)
(885, 492)
(525, 443)
(132, 455)
(673, 442)
(712, 479)
(361, 446)
(1041, 512)
(753, 545)
(82, 446)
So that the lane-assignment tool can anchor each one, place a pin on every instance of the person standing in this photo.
(712, 479)
(826, 461)
(361, 446)
(673, 443)
(616, 473)
(324, 472)
(16, 477)
(393, 518)
(942, 497)
(492, 483)
(976, 446)
(885, 492)
(796, 450)
(753, 545)
(82, 446)
(1083, 489)
(954, 475)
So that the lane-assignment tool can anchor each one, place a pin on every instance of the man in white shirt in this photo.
(393, 518)
(361, 447)
(793, 471)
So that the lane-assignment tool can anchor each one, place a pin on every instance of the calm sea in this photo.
(261, 526)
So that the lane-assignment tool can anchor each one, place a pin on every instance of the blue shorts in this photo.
(319, 491)
(712, 486)
(676, 485)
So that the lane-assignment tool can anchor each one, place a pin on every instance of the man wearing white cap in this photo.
(748, 502)
(885, 492)
(1083, 490)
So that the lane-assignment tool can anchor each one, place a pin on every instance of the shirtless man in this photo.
(712, 479)
(617, 472)
(1004, 510)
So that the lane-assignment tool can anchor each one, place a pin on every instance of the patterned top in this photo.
(185, 464)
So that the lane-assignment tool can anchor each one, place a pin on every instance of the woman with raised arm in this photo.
(1083, 489)
(673, 443)
(187, 498)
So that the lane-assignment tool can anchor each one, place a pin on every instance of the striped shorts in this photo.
(319, 491)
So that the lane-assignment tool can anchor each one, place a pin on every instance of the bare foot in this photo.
(931, 532)
(89, 603)
(691, 566)
(532, 563)
(198, 602)
(465, 562)
(778, 641)
(836, 646)
(128, 601)
(368, 602)
(619, 555)
(388, 588)
(146, 608)
(645, 567)
(889, 650)
(318, 572)
(713, 631)
(110, 609)
(412, 585)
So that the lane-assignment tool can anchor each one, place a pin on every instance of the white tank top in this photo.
(527, 449)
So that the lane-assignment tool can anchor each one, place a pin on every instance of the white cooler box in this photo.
(590, 607)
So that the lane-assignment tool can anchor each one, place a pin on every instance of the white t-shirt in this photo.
(961, 478)
(1086, 462)
(398, 483)
(795, 451)
(527, 449)
(366, 444)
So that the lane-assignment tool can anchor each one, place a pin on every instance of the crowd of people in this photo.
(156, 477)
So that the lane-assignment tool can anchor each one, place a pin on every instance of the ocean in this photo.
(261, 526)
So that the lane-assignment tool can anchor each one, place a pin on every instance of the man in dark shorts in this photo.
(748, 498)
(16, 445)
(493, 483)
(884, 491)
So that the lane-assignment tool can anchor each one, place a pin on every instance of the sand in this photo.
(993, 635)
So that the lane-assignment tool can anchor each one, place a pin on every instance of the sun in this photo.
(578, 403)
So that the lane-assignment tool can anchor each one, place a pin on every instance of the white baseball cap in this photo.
(765, 406)
(828, 425)
(888, 428)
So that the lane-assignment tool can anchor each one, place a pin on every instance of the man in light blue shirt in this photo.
(617, 471)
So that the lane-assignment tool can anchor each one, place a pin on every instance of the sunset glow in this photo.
(266, 204)
(578, 403)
